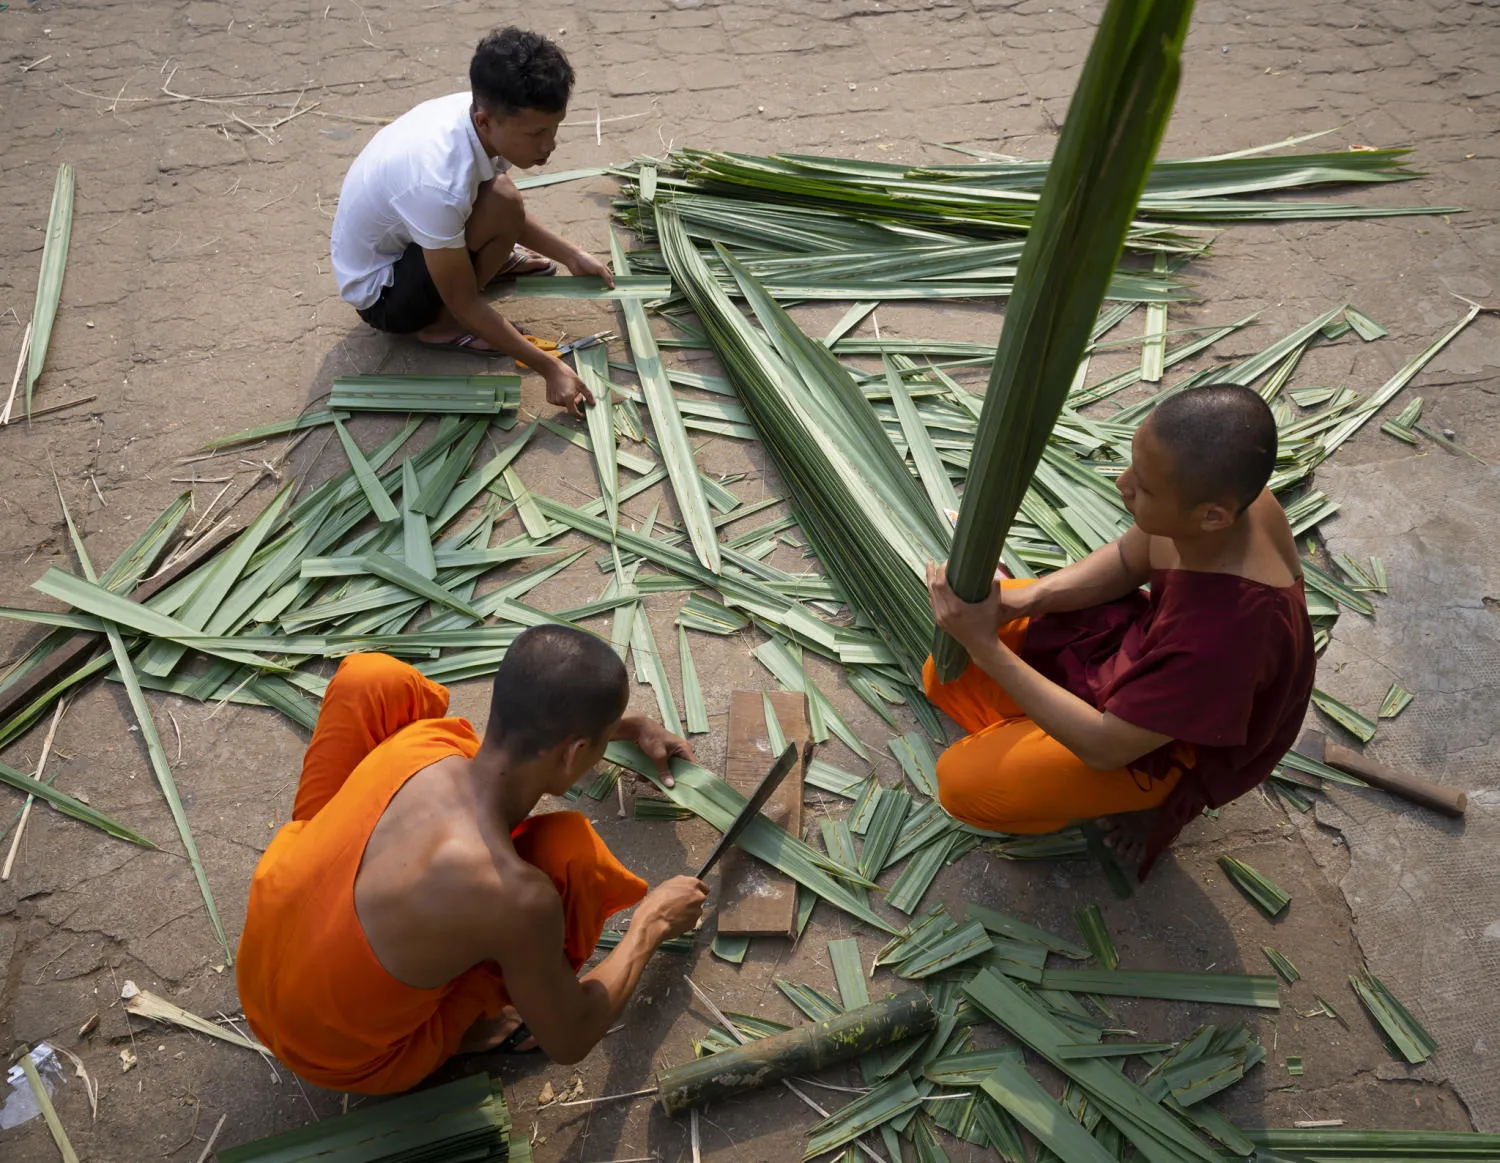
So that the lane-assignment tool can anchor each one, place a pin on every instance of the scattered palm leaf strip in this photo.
(49, 281)
(152, 740)
(1405, 1033)
(1263, 893)
(1345, 716)
(1396, 700)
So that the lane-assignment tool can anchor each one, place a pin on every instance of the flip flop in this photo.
(519, 256)
(512, 1044)
(463, 343)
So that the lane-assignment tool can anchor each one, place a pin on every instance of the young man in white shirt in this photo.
(428, 217)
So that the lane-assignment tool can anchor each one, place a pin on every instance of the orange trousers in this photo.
(1007, 774)
(312, 988)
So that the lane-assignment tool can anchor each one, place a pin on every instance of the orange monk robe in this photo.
(1007, 774)
(312, 989)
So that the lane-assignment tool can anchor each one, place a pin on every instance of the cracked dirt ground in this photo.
(198, 302)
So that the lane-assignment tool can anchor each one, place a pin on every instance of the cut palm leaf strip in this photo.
(1396, 700)
(593, 368)
(866, 1113)
(1330, 1144)
(1090, 922)
(69, 806)
(1097, 174)
(1279, 962)
(1018, 930)
(666, 421)
(375, 494)
(49, 1112)
(1345, 716)
(1405, 1033)
(1263, 893)
(692, 692)
(1154, 1132)
(1041, 1114)
(1231, 989)
(49, 282)
(152, 740)
(463, 1120)
(448, 395)
(731, 948)
(715, 801)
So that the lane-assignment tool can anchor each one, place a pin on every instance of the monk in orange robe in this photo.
(414, 908)
(1085, 698)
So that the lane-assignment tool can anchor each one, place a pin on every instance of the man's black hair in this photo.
(554, 685)
(514, 70)
(1221, 440)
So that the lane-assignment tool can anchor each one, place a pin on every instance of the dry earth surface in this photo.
(199, 301)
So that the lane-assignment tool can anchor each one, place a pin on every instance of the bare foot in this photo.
(1127, 833)
(491, 1033)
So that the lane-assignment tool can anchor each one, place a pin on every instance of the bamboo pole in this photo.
(799, 1050)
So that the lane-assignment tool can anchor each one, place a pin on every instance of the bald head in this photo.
(1220, 441)
(556, 684)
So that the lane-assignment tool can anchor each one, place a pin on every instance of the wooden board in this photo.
(755, 899)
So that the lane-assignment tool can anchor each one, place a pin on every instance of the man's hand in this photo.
(586, 265)
(657, 742)
(672, 908)
(971, 624)
(565, 389)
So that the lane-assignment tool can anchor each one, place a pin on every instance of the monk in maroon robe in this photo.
(1087, 698)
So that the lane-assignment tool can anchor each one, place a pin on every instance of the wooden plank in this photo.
(82, 646)
(754, 899)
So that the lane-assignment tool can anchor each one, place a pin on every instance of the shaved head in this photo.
(556, 684)
(1220, 441)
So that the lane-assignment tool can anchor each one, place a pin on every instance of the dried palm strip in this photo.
(145, 1004)
(152, 740)
(41, 766)
(49, 282)
(49, 1112)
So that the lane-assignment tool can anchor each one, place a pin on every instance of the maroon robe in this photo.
(1218, 662)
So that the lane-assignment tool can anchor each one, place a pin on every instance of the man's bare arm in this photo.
(453, 274)
(566, 1014)
(1110, 572)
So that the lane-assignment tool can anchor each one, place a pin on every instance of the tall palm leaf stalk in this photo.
(1114, 125)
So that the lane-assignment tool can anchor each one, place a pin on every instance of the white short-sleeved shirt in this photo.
(415, 181)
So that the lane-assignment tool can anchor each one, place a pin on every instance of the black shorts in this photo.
(411, 301)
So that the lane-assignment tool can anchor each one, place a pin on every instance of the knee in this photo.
(959, 788)
(498, 210)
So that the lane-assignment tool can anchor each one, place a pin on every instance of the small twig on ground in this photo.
(208, 1147)
(192, 1133)
(38, 413)
(282, 198)
(16, 380)
(607, 1098)
(38, 61)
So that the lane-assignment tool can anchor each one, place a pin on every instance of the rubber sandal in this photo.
(512, 1044)
(519, 256)
(462, 343)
